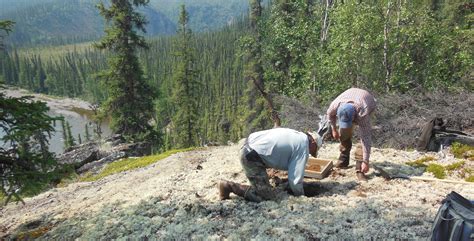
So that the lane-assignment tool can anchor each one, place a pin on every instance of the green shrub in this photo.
(462, 151)
(437, 170)
(454, 166)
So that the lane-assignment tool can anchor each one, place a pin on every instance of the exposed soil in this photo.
(177, 198)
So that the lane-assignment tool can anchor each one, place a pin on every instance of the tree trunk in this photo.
(386, 31)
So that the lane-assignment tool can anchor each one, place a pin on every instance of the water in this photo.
(76, 112)
(77, 119)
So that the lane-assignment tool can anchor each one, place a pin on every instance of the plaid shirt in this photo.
(364, 104)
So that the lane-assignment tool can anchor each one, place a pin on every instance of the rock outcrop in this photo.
(92, 156)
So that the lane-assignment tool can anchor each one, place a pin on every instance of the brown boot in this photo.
(361, 176)
(343, 161)
(226, 187)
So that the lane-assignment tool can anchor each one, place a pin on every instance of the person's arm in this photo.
(332, 114)
(332, 117)
(296, 171)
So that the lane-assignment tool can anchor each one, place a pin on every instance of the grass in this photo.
(130, 164)
(421, 162)
(437, 170)
(454, 166)
(462, 151)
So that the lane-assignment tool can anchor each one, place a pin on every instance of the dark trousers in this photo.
(346, 146)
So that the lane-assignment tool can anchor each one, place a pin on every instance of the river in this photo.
(77, 112)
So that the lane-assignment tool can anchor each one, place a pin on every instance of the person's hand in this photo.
(364, 167)
(335, 133)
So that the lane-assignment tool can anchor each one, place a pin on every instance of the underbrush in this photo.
(462, 151)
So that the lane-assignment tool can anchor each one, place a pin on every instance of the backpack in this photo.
(455, 219)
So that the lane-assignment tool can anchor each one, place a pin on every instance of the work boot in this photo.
(343, 161)
(226, 187)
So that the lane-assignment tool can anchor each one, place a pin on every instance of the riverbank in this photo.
(78, 113)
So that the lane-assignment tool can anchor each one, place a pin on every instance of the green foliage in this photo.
(455, 166)
(470, 178)
(27, 165)
(460, 150)
(130, 100)
(186, 88)
(130, 164)
(437, 170)
(421, 162)
(291, 54)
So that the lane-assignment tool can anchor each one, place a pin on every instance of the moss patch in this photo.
(421, 162)
(462, 151)
(454, 166)
(130, 164)
(437, 170)
(470, 178)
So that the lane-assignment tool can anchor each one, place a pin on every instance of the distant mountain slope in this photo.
(204, 15)
(70, 21)
(60, 21)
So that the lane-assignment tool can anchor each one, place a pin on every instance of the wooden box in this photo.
(317, 168)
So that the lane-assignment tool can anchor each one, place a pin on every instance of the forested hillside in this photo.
(205, 14)
(305, 48)
(61, 22)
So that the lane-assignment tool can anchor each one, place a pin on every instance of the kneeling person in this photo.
(279, 148)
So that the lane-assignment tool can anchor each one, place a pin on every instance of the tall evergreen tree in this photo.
(256, 96)
(130, 101)
(186, 86)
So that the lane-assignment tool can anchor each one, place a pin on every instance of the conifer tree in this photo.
(25, 162)
(130, 101)
(88, 135)
(65, 138)
(186, 86)
(70, 137)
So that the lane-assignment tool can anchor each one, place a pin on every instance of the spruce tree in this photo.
(70, 137)
(26, 164)
(88, 135)
(130, 101)
(186, 87)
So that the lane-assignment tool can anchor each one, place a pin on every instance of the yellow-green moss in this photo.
(421, 161)
(470, 179)
(129, 164)
(437, 170)
(462, 151)
(32, 234)
(454, 166)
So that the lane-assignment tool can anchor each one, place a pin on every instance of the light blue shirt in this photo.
(283, 149)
